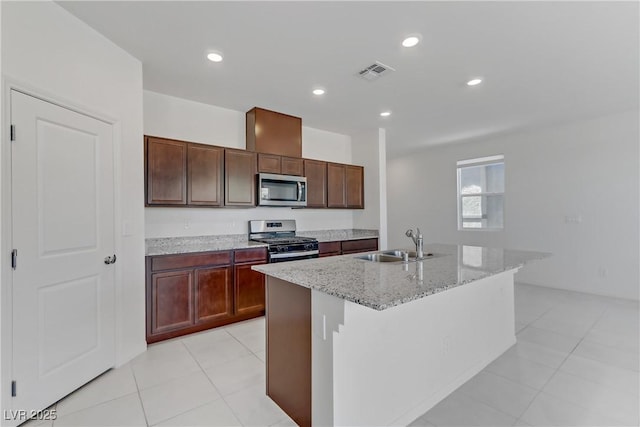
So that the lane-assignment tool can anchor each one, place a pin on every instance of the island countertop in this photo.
(384, 285)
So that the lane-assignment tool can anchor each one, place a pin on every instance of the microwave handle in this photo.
(299, 191)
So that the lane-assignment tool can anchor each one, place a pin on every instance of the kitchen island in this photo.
(356, 342)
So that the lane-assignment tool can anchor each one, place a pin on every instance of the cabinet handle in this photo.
(110, 259)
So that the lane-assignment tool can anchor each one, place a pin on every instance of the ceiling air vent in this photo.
(375, 71)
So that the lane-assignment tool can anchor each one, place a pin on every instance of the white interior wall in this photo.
(171, 117)
(369, 150)
(587, 169)
(56, 55)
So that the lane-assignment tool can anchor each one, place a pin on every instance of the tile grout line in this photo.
(79, 390)
(214, 386)
(162, 383)
(135, 380)
(558, 369)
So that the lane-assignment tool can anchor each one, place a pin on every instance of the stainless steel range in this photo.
(281, 237)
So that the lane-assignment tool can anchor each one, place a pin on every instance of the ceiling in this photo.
(542, 62)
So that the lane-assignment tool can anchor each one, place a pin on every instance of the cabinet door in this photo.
(316, 173)
(204, 182)
(336, 197)
(329, 248)
(355, 246)
(355, 186)
(249, 292)
(292, 166)
(268, 163)
(274, 133)
(214, 294)
(166, 166)
(240, 178)
(171, 302)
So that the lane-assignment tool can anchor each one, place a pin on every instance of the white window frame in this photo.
(482, 161)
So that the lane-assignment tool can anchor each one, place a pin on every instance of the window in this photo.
(481, 193)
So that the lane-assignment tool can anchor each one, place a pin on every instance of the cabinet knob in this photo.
(110, 259)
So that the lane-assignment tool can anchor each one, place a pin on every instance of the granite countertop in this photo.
(384, 285)
(338, 235)
(181, 245)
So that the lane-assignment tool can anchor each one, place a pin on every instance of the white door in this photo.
(63, 228)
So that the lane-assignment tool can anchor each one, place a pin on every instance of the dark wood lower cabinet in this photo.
(362, 245)
(289, 348)
(329, 249)
(347, 247)
(249, 287)
(192, 292)
(172, 300)
(214, 294)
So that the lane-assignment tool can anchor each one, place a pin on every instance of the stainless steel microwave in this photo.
(282, 190)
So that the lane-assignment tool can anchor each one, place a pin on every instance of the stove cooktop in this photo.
(285, 240)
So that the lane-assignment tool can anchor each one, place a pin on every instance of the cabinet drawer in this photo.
(364, 245)
(329, 248)
(250, 255)
(169, 262)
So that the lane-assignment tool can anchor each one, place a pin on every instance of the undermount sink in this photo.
(380, 257)
(412, 254)
(399, 253)
(394, 255)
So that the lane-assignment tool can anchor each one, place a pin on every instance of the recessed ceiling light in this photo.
(385, 114)
(474, 82)
(214, 57)
(411, 41)
(318, 91)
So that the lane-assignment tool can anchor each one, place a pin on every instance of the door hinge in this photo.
(14, 259)
(12, 132)
(14, 389)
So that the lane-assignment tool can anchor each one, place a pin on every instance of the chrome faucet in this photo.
(418, 241)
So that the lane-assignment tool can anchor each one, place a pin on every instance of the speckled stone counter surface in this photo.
(181, 245)
(384, 285)
(337, 235)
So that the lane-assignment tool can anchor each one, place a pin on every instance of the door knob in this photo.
(110, 259)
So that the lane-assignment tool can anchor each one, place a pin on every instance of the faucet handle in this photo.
(409, 233)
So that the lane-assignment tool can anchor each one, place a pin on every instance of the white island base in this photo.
(387, 367)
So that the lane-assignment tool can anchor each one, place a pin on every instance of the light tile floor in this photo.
(575, 364)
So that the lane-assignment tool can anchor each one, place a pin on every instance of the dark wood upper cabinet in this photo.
(269, 163)
(292, 166)
(273, 133)
(205, 175)
(316, 173)
(354, 186)
(166, 171)
(180, 173)
(240, 178)
(336, 186)
(345, 186)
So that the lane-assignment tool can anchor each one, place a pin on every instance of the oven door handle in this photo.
(293, 254)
